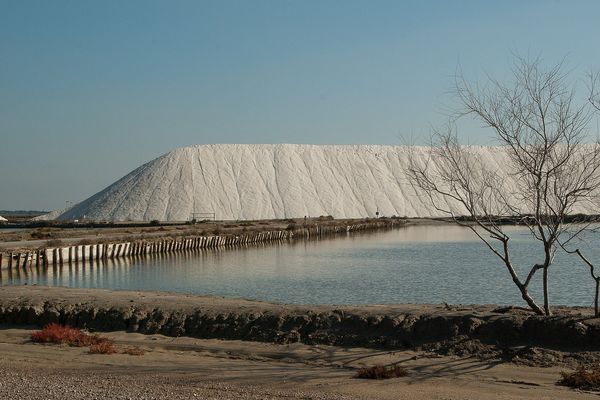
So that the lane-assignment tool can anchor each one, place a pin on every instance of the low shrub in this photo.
(40, 235)
(59, 334)
(291, 227)
(134, 351)
(54, 243)
(581, 378)
(103, 348)
(325, 218)
(64, 334)
(381, 372)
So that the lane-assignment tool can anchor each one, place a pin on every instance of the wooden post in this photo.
(26, 260)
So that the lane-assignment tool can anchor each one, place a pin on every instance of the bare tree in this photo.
(594, 98)
(550, 169)
(566, 246)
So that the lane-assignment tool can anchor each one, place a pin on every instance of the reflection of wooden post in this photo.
(26, 259)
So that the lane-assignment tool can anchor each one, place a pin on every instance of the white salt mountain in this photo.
(240, 181)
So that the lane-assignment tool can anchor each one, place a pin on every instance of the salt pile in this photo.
(243, 181)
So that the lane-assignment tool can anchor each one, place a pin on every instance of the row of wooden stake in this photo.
(101, 251)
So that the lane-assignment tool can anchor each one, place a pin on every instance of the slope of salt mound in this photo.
(239, 181)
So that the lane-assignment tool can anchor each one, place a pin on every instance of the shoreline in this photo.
(475, 330)
(25, 254)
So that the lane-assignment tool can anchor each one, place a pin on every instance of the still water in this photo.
(417, 264)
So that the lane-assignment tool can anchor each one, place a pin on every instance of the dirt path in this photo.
(181, 368)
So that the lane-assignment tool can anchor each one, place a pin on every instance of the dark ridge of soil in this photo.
(570, 337)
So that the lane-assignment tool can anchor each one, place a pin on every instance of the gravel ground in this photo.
(17, 383)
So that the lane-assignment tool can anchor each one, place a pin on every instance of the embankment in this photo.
(97, 251)
(380, 326)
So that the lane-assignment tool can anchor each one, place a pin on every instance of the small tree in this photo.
(568, 248)
(572, 237)
(552, 171)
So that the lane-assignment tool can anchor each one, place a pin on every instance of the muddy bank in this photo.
(437, 327)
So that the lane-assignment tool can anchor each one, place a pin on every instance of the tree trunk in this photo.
(596, 298)
(546, 296)
(529, 300)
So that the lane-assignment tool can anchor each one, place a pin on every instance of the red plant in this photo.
(59, 334)
(103, 348)
(134, 351)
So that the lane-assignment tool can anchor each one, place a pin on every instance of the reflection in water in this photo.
(418, 264)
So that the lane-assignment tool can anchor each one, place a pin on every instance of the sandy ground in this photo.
(182, 368)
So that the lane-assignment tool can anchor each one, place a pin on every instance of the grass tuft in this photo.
(581, 378)
(381, 372)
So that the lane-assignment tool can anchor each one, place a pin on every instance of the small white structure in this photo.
(2, 219)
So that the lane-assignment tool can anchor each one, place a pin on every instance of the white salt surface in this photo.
(240, 181)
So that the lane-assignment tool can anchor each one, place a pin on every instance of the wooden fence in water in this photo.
(56, 256)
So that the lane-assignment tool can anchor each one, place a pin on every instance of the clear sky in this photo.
(89, 90)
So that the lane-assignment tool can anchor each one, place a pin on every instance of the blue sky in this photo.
(89, 90)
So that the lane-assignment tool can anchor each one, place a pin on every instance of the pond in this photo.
(415, 264)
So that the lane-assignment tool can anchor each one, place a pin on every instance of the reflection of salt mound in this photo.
(238, 181)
